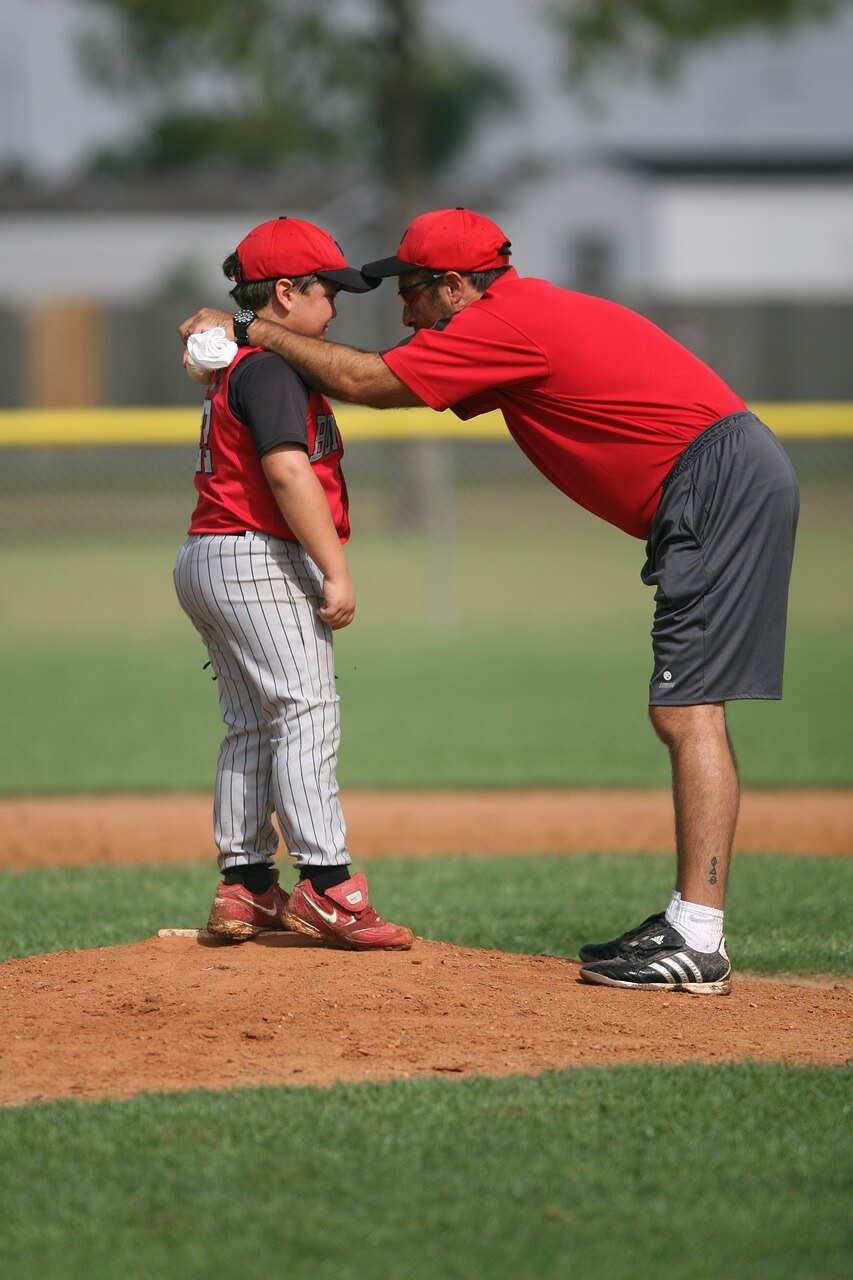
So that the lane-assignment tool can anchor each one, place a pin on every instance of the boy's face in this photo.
(311, 313)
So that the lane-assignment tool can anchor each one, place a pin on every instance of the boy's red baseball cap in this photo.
(292, 247)
(447, 240)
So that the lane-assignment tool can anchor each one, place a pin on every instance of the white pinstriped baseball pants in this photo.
(253, 599)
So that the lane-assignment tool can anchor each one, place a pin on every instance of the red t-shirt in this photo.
(601, 400)
(233, 492)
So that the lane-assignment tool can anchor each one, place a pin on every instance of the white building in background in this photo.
(732, 187)
(709, 225)
(629, 225)
(736, 180)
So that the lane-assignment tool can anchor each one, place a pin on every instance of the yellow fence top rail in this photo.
(34, 428)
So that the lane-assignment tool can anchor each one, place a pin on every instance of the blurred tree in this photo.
(653, 36)
(254, 84)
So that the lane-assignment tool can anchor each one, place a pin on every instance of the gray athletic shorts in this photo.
(719, 553)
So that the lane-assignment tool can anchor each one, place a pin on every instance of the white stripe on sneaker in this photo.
(677, 965)
(659, 967)
(694, 968)
(255, 905)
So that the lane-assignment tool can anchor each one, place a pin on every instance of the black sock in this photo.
(257, 877)
(323, 878)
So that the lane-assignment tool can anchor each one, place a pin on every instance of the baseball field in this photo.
(176, 1108)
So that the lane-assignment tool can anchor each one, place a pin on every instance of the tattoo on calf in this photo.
(712, 874)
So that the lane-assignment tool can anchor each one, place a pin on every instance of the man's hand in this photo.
(207, 319)
(338, 607)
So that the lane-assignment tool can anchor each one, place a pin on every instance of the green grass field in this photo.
(509, 647)
(515, 653)
(784, 914)
(738, 1169)
(708, 1171)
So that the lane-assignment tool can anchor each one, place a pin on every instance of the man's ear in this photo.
(455, 284)
(460, 290)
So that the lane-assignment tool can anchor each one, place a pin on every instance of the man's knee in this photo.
(666, 723)
(676, 725)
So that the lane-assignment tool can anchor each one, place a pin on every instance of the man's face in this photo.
(420, 309)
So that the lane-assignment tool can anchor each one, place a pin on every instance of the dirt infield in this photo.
(75, 830)
(179, 1013)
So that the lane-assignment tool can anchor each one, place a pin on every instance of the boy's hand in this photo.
(338, 607)
(201, 376)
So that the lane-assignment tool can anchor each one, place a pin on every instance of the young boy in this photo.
(263, 577)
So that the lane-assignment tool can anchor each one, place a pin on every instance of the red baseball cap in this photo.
(292, 247)
(447, 240)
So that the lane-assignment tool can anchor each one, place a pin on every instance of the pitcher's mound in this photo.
(185, 1012)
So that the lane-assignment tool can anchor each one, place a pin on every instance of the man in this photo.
(635, 428)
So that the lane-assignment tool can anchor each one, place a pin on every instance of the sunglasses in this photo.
(410, 288)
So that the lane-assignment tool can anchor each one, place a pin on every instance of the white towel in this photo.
(211, 350)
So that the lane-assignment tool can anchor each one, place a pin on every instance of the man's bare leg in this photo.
(687, 950)
(706, 795)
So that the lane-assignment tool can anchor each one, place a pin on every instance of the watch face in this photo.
(242, 320)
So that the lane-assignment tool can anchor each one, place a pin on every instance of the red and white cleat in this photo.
(343, 917)
(239, 914)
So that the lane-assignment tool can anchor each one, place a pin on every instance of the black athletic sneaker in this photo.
(663, 961)
(594, 951)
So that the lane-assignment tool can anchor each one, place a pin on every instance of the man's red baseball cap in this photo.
(291, 247)
(447, 240)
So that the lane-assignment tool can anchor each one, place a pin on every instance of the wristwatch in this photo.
(242, 320)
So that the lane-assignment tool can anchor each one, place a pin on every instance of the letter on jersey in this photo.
(327, 438)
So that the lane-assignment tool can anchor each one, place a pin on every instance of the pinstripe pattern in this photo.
(253, 600)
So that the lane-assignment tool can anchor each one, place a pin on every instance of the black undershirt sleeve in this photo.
(269, 396)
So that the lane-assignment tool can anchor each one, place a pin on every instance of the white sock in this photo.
(701, 927)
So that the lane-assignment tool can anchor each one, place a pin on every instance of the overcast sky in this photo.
(749, 92)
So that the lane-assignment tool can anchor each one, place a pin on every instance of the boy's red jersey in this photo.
(233, 492)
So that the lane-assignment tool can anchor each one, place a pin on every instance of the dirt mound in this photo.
(182, 1013)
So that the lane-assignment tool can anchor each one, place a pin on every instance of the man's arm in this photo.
(358, 377)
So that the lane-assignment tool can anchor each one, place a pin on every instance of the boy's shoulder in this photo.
(261, 367)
